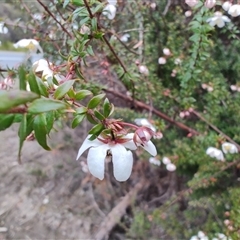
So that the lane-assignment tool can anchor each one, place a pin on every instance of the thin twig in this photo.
(216, 129)
(154, 110)
(55, 19)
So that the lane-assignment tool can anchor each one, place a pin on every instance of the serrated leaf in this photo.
(77, 120)
(63, 89)
(44, 105)
(97, 129)
(6, 121)
(95, 101)
(40, 130)
(13, 98)
(82, 94)
(22, 133)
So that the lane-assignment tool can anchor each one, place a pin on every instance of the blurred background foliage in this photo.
(203, 192)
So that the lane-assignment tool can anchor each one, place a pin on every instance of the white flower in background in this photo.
(188, 13)
(166, 160)
(229, 148)
(85, 30)
(122, 158)
(191, 3)
(45, 68)
(154, 161)
(233, 87)
(201, 234)
(3, 29)
(167, 52)
(210, 3)
(171, 167)
(110, 10)
(215, 153)
(218, 20)
(143, 69)
(234, 10)
(226, 5)
(84, 166)
(162, 60)
(145, 123)
(177, 61)
(31, 44)
(125, 37)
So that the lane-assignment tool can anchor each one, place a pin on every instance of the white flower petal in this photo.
(122, 162)
(87, 144)
(129, 144)
(150, 147)
(96, 160)
(110, 11)
(220, 23)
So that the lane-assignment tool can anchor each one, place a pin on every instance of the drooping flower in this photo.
(210, 3)
(215, 153)
(31, 44)
(122, 158)
(191, 3)
(144, 122)
(125, 37)
(166, 160)
(226, 5)
(45, 68)
(171, 167)
(162, 60)
(154, 161)
(167, 52)
(143, 69)
(234, 10)
(110, 10)
(229, 148)
(218, 20)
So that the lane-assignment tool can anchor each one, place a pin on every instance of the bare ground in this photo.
(43, 198)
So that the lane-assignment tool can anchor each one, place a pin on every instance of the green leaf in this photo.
(81, 110)
(44, 105)
(106, 107)
(50, 116)
(13, 98)
(94, 24)
(40, 130)
(95, 101)
(97, 129)
(22, 73)
(6, 121)
(82, 94)
(42, 87)
(22, 133)
(98, 115)
(33, 83)
(90, 50)
(66, 2)
(77, 120)
(71, 94)
(91, 119)
(63, 89)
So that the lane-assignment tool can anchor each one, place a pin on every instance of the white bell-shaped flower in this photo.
(122, 158)
(171, 167)
(229, 148)
(191, 3)
(234, 10)
(110, 11)
(31, 44)
(218, 20)
(226, 5)
(210, 3)
(215, 153)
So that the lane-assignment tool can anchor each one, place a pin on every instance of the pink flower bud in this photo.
(210, 3)
(191, 3)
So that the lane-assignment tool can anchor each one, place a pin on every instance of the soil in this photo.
(44, 197)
